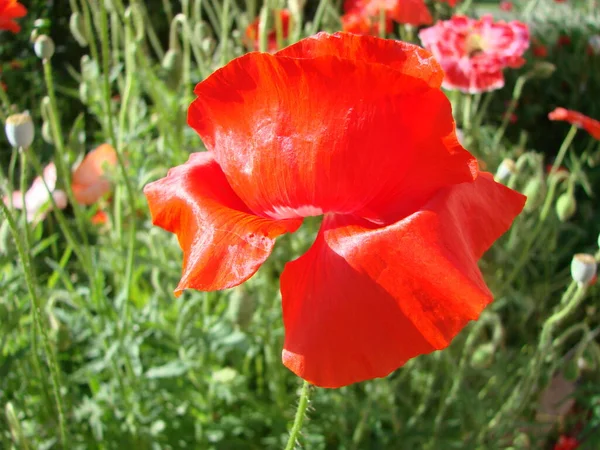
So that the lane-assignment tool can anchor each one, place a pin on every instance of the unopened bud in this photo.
(173, 65)
(44, 47)
(483, 356)
(241, 307)
(543, 69)
(19, 130)
(84, 92)
(566, 206)
(47, 132)
(583, 268)
(506, 168)
(78, 29)
(535, 191)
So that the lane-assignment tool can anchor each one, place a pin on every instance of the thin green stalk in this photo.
(120, 159)
(300, 414)
(319, 14)
(466, 112)
(571, 300)
(517, 91)
(28, 271)
(224, 44)
(382, 20)
(57, 136)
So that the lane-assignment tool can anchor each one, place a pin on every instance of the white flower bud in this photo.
(583, 268)
(44, 47)
(19, 130)
(506, 168)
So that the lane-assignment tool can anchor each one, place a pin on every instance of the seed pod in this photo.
(77, 28)
(543, 69)
(19, 130)
(535, 191)
(44, 47)
(483, 356)
(566, 206)
(583, 268)
(173, 65)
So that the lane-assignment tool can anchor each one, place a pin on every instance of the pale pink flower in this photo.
(37, 197)
(474, 52)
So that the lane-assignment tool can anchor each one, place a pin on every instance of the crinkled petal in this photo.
(223, 243)
(364, 300)
(303, 136)
(406, 58)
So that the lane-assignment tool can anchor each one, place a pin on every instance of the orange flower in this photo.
(10, 10)
(89, 183)
(100, 218)
(576, 118)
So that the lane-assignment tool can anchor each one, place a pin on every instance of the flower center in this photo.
(474, 45)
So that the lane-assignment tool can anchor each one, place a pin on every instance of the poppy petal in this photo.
(320, 142)
(404, 57)
(223, 243)
(356, 307)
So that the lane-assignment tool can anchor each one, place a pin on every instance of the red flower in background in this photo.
(10, 10)
(89, 181)
(366, 12)
(506, 6)
(473, 53)
(452, 3)
(576, 118)
(566, 443)
(252, 35)
(356, 129)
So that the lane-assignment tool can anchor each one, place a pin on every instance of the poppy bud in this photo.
(583, 268)
(47, 132)
(566, 206)
(84, 91)
(19, 130)
(535, 191)
(173, 65)
(241, 307)
(506, 168)
(483, 356)
(543, 69)
(78, 29)
(571, 370)
(44, 47)
(13, 423)
(35, 33)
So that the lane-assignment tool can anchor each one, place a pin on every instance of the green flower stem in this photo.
(223, 43)
(64, 174)
(517, 91)
(300, 414)
(466, 112)
(28, 271)
(571, 301)
(118, 150)
(382, 23)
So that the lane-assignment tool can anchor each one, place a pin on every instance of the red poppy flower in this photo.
(413, 12)
(540, 51)
(473, 53)
(563, 40)
(253, 39)
(10, 10)
(452, 3)
(89, 181)
(576, 118)
(360, 24)
(356, 129)
(566, 443)
(506, 6)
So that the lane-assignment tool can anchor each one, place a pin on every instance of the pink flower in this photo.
(506, 6)
(473, 52)
(37, 197)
